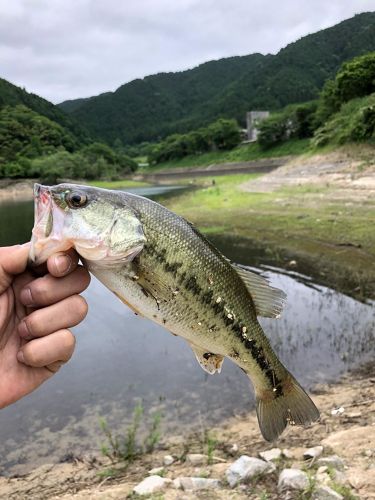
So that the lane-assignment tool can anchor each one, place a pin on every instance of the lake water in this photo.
(122, 359)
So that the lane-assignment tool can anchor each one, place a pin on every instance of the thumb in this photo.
(13, 261)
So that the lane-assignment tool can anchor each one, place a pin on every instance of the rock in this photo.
(233, 450)
(270, 455)
(168, 460)
(313, 452)
(332, 461)
(292, 479)
(196, 459)
(339, 477)
(336, 412)
(326, 493)
(198, 483)
(287, 453)
(247, 467)
(156, 471)
(294, 453)
(151, 484)
(322, 477)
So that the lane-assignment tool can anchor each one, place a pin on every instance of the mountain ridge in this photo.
(158, 105)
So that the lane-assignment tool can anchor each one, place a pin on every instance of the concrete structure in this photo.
(252, 120)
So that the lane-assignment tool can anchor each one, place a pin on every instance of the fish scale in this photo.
(165, 269)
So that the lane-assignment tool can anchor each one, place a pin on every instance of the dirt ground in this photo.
(346, 428)
(350, 178)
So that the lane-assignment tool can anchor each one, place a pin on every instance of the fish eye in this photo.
(76, 200)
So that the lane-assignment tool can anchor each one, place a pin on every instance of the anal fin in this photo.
(211, 363)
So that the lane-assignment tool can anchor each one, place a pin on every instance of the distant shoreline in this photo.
(21, 190)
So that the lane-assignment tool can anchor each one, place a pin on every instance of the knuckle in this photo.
(40, 290)
(31, 355)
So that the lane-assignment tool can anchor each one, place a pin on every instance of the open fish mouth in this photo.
(48, 226)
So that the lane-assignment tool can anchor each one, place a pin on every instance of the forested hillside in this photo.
(11, 95)
(158, 105)
(37, 139)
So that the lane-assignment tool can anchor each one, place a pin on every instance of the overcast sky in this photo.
(64, 49)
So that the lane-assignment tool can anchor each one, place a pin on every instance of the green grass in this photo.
(305, 221)
(124, 183)
(246, 152)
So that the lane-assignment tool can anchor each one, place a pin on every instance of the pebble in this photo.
(151, 484)
(337, 411)
(196, 459)
(247, 467)
(270, 455)
(326, 493)
(156, 471)
(233, 449)
(197, 483)
(168, 460)
(313, 452)
(333, 460)
(292, 479)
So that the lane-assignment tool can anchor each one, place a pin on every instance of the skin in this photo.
(36, 311)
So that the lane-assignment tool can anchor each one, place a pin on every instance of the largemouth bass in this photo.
(166, 270)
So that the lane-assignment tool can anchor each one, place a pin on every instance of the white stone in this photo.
(326, 493)
(287, 453)
(156, 471)
(313, 452)
(292, 479)
(245, 468)
(270, 455)
(168, 460)
(333, 461)
(336, 412)
(196, 459)
(198, 483)
(151, 484)
(233, 449)
(339, 477)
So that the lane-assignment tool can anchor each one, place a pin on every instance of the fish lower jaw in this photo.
(42, 248)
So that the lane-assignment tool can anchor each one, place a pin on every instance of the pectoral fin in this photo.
(268, 301)
(211, 363)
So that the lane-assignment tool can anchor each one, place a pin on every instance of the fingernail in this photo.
(26, 297)
(21, 357)
(23, 330)
(63, 263)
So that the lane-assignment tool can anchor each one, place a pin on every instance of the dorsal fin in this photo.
(268, 301)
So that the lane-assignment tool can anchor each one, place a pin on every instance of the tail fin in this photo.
(293, 407)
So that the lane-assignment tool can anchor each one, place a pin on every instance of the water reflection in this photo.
(121, 358)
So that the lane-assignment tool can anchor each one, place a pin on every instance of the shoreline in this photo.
(346, 429)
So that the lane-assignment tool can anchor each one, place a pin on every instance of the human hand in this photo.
(35, 312)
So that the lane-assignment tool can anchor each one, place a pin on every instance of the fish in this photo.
(163, 268)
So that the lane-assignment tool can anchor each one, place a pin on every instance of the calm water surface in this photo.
(121, 359)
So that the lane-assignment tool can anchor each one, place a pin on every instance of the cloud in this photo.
(64, 49)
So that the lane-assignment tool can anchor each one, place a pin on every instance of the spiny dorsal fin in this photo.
(268, 301)
(211, 363)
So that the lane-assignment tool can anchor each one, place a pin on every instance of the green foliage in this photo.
(220, 135)
(294, 122)
(11, 95)
(35, 146)
(355, 78)
(157, 106)
(210, 443)
(355, 122)
(128, 446)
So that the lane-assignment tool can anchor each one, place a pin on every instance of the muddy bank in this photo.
(346, 429)
(16, 190)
